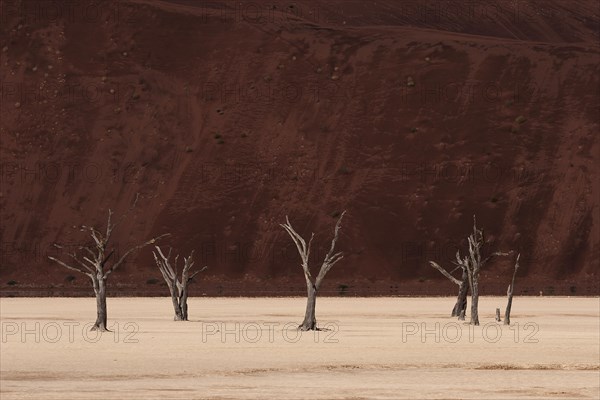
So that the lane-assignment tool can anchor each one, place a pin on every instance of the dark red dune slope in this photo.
(227, 116)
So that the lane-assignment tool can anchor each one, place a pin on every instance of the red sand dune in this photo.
(226, 116)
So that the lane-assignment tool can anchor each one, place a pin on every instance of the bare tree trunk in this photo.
(183, 304)
(510, 292)
(310, 321)
(101, 318)
(461, 300)
(176, 307)
(475, 303)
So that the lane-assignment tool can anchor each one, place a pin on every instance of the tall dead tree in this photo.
(313, 284)
(510, 291)
(93, 261)
(177, 287)
(473, 263)
(463, 286)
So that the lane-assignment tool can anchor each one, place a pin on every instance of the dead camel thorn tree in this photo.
(471, 266)
(313, 284)
(94, 262)
(178, 288)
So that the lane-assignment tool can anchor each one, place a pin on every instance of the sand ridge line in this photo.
(540, 367)
(61, 376)
(340, 368)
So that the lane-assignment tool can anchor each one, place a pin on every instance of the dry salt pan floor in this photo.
(238, 348)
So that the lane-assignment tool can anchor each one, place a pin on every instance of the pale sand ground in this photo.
(365, 356)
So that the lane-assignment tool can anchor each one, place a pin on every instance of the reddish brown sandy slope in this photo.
(226, 116)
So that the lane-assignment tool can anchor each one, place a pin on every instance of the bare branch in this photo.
(444, 272)
(197, 272)
(496, 254)
(457, 267)
(187, 264)
(175, 269)
(300, 243)
(335, 236)
(164, 267)
(331, 258)
(336, 257)
(88, 250)
(301, 246)
(92, 263)
(69, 266)
(77, 260)
(312, 236)
(109, 226)
(325, 269)
(106, 259)
(97, 236)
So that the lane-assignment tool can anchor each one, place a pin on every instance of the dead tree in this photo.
(463, 287)
(93, 260)
(473, 264)
(178, 288)
(313, 284)
(471, 267)
(510, 291)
